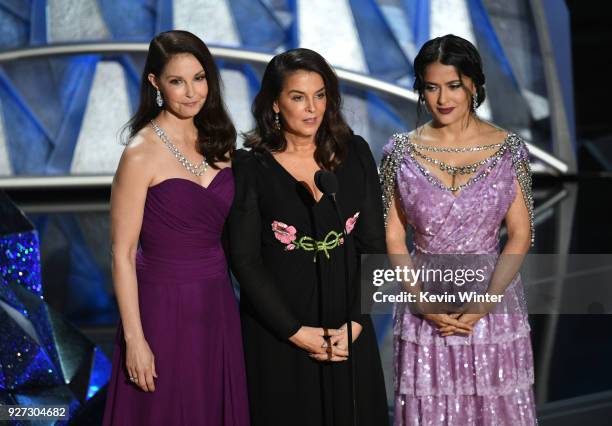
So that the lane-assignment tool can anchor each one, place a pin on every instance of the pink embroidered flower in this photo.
(290, 247)
(350, 223)
(283, 233)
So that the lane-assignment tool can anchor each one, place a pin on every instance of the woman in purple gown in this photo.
(178, 356)
(453, 181)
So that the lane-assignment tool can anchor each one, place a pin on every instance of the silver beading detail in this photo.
(436, 182)
(520, 159)
(389, 167)
(455, 149)
(454, 170)
(192, 168)
(522, 168)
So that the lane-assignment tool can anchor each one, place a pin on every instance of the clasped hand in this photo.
(459, 322)
(325, 344)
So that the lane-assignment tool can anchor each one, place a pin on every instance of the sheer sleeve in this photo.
(244, 228)
(369, 233)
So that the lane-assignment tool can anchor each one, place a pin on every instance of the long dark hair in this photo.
(450, 50)
(216, 132)
(333, 134)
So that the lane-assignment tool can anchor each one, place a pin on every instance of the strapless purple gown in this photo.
(189, 313)
(487, 377)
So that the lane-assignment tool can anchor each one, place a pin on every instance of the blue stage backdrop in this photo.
(60, 115)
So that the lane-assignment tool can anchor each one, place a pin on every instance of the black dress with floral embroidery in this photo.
(287, 254)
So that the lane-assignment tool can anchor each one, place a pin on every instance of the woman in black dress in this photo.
(287, 252)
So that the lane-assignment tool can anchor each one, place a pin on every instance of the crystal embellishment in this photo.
(455, 150)
(198, 170)
(513, 143)
(491, 161)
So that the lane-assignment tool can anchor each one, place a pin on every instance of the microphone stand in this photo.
(349, 323)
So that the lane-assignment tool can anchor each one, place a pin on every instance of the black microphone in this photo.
(327, 182)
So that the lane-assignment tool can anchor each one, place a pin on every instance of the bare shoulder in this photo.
(492, 132)
(144, 148)
(141, 156)
(144, 144)
(418, 131)
(421, 134)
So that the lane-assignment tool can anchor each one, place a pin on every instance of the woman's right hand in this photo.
(315, 340)
(140, 364)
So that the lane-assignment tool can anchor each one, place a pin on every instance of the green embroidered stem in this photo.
(330, 242)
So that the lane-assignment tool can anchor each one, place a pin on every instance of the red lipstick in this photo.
(446, 110)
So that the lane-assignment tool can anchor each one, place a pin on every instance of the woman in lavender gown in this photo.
(453, 181)
(178, 352)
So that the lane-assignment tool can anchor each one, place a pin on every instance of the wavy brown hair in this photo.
(333, 134)
(216, 132)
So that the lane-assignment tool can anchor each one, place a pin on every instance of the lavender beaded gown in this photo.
(189, 313)
(485, 378)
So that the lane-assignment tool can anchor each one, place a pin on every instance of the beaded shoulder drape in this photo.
(401, 148)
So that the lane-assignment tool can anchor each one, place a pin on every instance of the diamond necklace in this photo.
(192, 168)
(455, 149)
(453, 170)
(454, 188)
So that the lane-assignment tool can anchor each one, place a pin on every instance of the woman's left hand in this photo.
(338, 345)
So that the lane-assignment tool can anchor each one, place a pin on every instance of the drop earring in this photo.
(424, 104)
(277, 125)
(159, 100)
(474, 103)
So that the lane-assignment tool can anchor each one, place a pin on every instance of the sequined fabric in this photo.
(485, 378)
